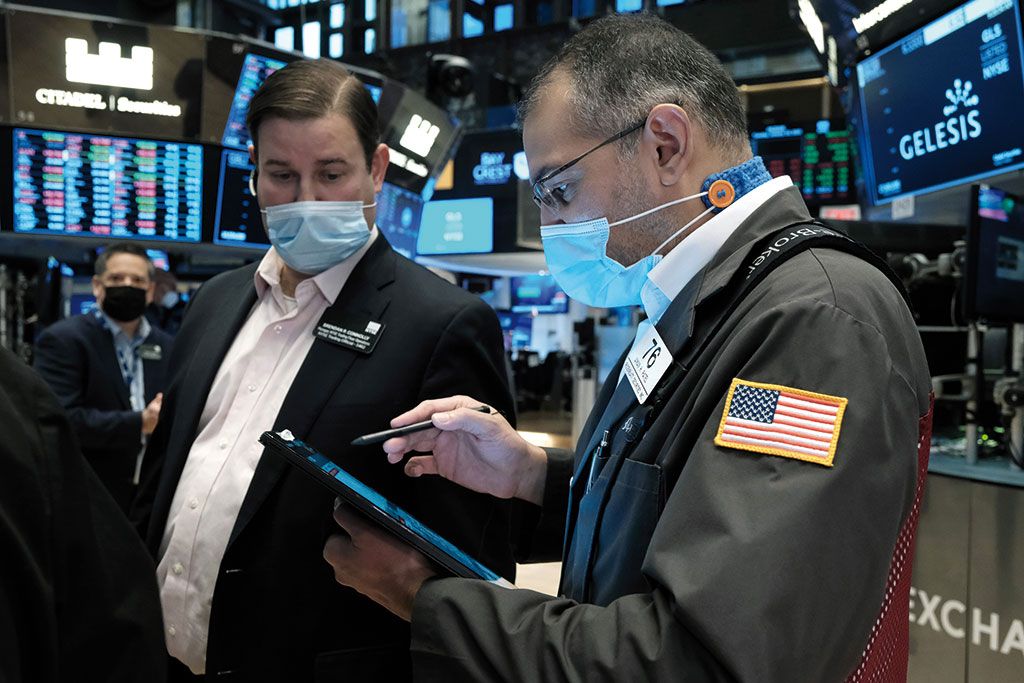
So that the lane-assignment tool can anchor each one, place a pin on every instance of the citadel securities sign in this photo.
(107, 68)
(104, 76)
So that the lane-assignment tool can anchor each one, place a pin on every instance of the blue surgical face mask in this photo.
(314, 236)
(577, 258)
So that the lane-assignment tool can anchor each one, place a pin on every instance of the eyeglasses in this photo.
(551, 196)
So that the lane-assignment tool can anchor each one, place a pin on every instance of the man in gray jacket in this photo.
(742, 502)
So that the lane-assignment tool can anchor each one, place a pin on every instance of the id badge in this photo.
(646, 363)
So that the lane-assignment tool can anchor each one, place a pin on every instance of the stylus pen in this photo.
(381, 437)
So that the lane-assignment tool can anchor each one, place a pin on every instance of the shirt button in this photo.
(278, 328)
(177, 568)
(194, 503)
(222, 445)
(252, 387)
(171, 631)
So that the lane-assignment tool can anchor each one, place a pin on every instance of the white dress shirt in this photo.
(696, 250)
(244, 401)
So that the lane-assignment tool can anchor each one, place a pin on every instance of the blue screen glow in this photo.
(457, 226)
(938, 107)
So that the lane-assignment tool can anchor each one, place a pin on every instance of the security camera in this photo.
(449, 76)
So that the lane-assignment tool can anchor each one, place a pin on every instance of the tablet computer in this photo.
(378, 508)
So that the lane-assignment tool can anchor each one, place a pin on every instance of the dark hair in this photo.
(310, 89)
(122, 248)
(622, 66)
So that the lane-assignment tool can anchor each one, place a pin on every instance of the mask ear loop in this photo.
(682, 229)
(648, 212)
(721, 194)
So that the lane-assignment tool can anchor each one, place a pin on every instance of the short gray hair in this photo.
(622, 66)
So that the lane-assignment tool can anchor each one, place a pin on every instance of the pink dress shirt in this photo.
(244, 401)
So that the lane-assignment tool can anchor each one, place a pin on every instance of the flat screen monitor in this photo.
(237, 222)
(457, 226)
(159, 259)
(941, 107)
(492, 290)
(816, 156)
(398, 218)
(538, 294)
(517, 329)
(489, 163)
(82, 303)
(110, 187)
(994, 267)
(374, 90)
(419, 135)
(255, 70)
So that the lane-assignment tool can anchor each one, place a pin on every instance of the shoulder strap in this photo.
(765, 257)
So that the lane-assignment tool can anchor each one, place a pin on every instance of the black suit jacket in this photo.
(76, 357)
(77, 595)
(277, 613)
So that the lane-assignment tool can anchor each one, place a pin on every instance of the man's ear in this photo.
(667, 142)
(379, 166)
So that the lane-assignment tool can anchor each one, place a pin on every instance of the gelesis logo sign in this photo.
(961, 124)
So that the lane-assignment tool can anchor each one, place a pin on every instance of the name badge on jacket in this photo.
(348, 331)
(150, 352)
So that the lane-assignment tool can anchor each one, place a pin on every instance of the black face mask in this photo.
(124, 304)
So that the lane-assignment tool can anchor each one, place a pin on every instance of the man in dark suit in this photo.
(77, 595)
(108, 367)
(238, 533)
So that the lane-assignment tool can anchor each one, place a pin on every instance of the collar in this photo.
(696, 251)
(744, 179)
(328, 283)
(141, 333)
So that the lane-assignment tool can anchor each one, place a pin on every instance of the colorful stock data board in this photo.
(103, 186)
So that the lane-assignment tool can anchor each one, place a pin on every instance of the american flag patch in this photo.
(778, 420)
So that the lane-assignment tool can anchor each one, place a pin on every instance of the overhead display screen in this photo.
(82, 184)
(817, 157)
(237, 221)
(995, 257)
(941, 107)
(398, 218)
(104, 76)
(255, 70)
(489, 163)
(457, 226)
(420, 136)
(538, 294)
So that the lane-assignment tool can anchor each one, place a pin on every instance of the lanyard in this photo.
(128, 358)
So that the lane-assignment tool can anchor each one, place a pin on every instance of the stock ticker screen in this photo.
(238, 221)
(398, 217)
(103, 186)
(255, 70)
(818, 159)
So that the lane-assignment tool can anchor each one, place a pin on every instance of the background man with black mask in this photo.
(107, 368)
